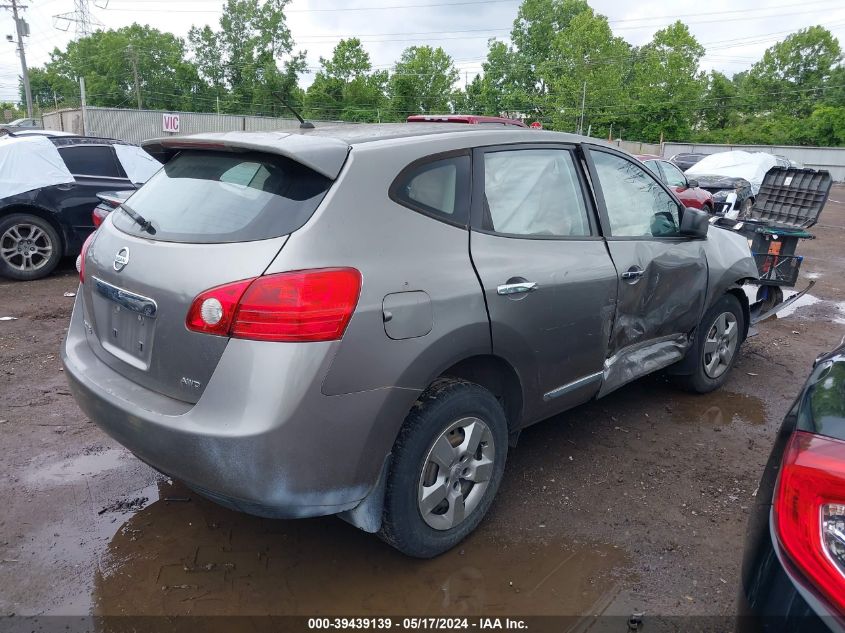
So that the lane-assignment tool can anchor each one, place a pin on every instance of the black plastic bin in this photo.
(789, 202)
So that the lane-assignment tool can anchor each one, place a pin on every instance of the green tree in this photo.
(535, 29)
(666, 87)
(792, 76)
(828, 125)
(421, 82)
(719, 107)
(586, 62)
(241, 59)
(10, 111)
(346, 88)
(109, 61)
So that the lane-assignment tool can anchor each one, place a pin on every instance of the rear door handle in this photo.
(517, 288)
(633, 274)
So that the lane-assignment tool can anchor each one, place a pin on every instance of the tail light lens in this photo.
(307, 305)
(80, 261)
(809, 512)
(98, 215)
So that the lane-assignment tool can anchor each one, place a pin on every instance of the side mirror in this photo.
(694, 223)
(692, 183)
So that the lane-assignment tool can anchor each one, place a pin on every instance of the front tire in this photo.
(448, 462)
(716, 346)
(30, 248)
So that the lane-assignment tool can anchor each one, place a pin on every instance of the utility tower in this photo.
(22, 31)
(84, 21)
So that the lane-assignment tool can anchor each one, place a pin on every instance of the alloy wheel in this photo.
(26, 247)
(456, 472)
(720, 344)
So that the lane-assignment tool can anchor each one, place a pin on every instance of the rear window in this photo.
(213, 197)
(823, 410)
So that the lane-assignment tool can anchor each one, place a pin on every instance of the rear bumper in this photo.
(773, 597)
(262, 438)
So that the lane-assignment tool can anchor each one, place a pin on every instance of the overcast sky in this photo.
(734, 32)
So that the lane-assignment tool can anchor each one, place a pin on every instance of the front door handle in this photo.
(633, 274)
(517, 288)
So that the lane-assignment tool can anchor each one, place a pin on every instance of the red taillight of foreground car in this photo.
(80, 261)
(306, 305)
(809, 512)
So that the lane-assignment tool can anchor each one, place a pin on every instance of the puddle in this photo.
(198, 558)
(809, 300)
(719, 408)
(77, 468)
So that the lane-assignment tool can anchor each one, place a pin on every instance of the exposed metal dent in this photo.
(572, 386)
(640, 359)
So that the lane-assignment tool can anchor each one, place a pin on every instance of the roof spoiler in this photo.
(325, 155)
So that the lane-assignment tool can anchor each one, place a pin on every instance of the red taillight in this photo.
(80, 262)
(213, 310)
(98, 215)
(307, 305)
(809, 512)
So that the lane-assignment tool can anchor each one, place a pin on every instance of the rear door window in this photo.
(91, 160)
(214, 197)
(534, 193)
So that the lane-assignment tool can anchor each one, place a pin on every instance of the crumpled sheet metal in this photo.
(640, 359)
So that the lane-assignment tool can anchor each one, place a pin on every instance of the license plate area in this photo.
(125, 323)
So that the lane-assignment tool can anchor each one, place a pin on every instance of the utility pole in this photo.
(22, 30)
(84, 106)
(583, 102)
(133, 57)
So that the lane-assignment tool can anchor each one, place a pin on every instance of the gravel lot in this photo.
(636, 501)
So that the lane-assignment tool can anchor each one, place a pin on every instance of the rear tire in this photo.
(448, 461)
(30, 248)
(716, 346)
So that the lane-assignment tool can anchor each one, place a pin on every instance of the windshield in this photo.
(213, 197)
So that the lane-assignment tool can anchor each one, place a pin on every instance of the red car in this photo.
(686, 189)
(472, 119)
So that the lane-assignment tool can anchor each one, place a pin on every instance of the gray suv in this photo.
(359, 320)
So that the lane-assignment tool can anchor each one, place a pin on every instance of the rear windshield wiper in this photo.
(139, 219)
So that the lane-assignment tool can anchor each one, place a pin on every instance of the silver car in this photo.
(359, 320)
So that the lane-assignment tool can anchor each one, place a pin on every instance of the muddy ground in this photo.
(637, 501)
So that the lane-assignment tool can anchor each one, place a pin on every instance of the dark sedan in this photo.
(48, 191)
(793, 576)
(685, 161)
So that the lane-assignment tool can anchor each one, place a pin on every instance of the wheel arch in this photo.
(486, 370)
(39, 212)
(499, 377)
(686, 365)
(739, 293)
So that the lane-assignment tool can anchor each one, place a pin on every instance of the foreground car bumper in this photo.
(773, 597)
(262, 438)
